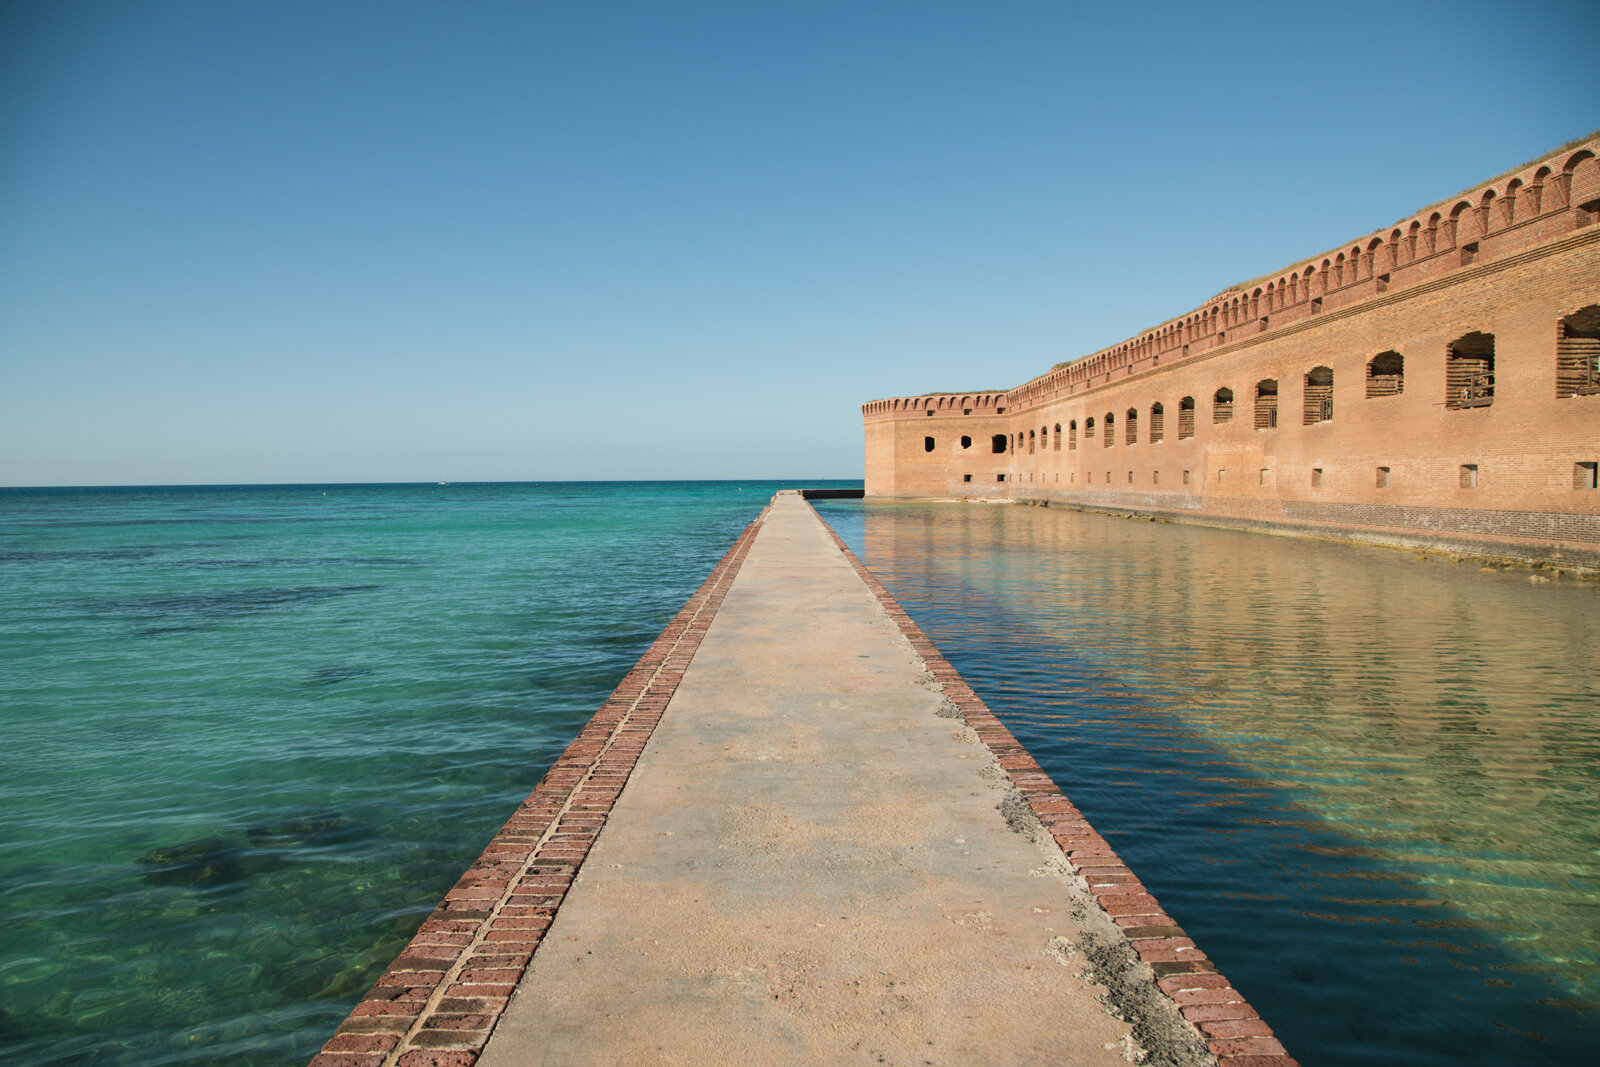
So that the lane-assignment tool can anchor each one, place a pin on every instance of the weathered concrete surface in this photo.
(808, 864)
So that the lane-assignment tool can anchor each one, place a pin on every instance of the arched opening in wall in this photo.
(1186, 418)
(1072, 435)
(997, 443)
(1058, 437)
(1110, 434)
(1157, 416)
(1222, 405)
(927, 444)
(1131, 428)
(1088, 428)
(1469, 371)
(1319, 395)
(1583, 178)
(1044, 438)
(1031, 442)
(1578, 353)
(1267, 404)
(1386, 375)
(966, 442)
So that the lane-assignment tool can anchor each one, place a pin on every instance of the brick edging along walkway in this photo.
(1235, 1034)
(438, 1002)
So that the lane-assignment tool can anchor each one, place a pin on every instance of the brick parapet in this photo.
(1052, 386)
(1514, 212)
(1230, 1027)
(438, 1002)
(936, 404)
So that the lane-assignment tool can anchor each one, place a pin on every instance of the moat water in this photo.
(1368, 785)
(252, 735)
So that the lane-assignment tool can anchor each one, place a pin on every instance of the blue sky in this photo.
(289, 242)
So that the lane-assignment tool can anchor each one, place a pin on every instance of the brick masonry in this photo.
(1235, 1034)
(438, 1002)
(1329, 441)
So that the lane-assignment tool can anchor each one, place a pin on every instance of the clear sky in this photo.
(290, 242)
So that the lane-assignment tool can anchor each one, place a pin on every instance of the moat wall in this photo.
(1434, 383)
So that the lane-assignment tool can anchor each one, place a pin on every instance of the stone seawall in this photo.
(794, 834)
(437, 1003)
(1558, 543)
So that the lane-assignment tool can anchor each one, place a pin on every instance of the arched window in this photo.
(997, 443)
(1131, 430)
(1072, 435)
(1469, 371)
(1186, 418)
(1058, 437)
(1319, 395)
(1267, 404)
(1088, 427)
(1157, 416)
(1582, 172)
(1031, 441)
(1107, 437)
(1222, 405)
(1578, 353)
(1386, 375)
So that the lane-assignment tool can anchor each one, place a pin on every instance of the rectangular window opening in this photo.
(1316, 477)
(1155, 477)
(966, 477)
(1185, 477)
(1586, 475)
(1383, 477)
(1469, 476)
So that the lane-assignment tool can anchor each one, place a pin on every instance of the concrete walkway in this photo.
(809, 864)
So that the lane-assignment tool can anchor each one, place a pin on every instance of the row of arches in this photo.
(948, 404)
(1469, 383)
(1567, 182)
(1385, 374)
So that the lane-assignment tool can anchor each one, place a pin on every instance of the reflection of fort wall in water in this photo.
(1441, 715)
(1434, 382)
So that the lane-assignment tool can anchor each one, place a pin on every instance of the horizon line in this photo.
(436, 484)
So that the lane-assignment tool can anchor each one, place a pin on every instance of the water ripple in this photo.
(1367, 784)
(239, 798)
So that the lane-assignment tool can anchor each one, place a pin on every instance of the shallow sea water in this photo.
(253, 734)
(1367, 785)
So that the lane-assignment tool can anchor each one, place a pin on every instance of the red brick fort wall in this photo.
(1434, 382)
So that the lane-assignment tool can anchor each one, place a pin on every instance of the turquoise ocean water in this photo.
(253, 734)
(1368, 785)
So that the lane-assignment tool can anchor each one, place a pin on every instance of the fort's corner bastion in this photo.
(1436, 383)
